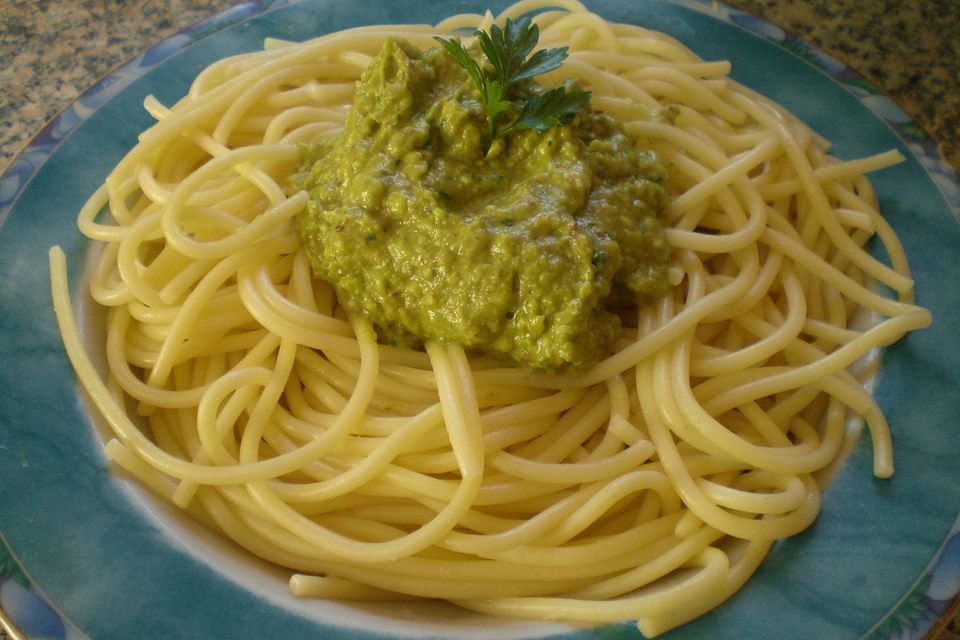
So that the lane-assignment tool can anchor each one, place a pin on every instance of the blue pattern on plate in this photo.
(34, 616)
(916, 610)
(27, 607)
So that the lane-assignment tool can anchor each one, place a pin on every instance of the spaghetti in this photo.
(648, 488)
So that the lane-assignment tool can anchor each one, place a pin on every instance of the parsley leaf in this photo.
(455, 48)
(492, 91)
(495, 103)
(507, 51)
(541, 62)
(549, 109)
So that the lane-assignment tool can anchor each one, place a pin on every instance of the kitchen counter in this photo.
(54, 50)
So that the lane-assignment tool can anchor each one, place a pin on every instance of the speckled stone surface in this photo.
(50, 51)
(53, 50)
(910, 50)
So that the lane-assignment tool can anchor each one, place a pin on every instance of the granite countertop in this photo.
(53, 50)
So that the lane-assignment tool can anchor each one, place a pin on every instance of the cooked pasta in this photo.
(647, 488)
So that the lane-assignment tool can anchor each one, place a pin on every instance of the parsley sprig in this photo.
(506, 50)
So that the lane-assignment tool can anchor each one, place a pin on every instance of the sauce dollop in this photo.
(525, 250)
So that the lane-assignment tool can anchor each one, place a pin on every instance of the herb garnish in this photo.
(507, 50)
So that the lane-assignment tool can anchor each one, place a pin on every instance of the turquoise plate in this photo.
(97, 558)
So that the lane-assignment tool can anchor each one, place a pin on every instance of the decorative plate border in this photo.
(917, 610)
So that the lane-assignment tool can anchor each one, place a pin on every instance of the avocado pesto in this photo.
(524, 246)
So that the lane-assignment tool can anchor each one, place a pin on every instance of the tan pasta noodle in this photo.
(648, 488)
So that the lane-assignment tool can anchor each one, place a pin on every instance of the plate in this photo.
(882, 561)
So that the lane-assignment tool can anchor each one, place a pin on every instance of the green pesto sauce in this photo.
(526, 251)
